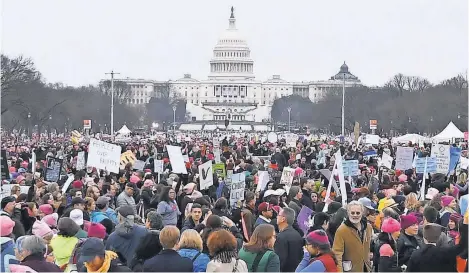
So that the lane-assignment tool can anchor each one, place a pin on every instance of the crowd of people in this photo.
(142, 221)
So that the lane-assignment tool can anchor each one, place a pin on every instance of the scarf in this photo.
(108, 257)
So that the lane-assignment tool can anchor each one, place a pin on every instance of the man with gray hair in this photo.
(154, 221)
(289, 243)
(352, 241)
(31, 252)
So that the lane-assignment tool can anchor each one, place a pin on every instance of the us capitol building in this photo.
(231, 90)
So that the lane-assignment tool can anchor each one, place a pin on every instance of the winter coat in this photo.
(7, 254)
(18, 229)
(123, 199)
(63, 248)
(268, 262)
(169, 212)
(321, 263)
(289, 248)
(199, 259)
(39, 264)
(168, 261)
(390, 263)
(235, 266)
(406, 245)
(249, 218)
(188, 224)
(125, 240)
(98, 216)
(116, 266)
(350, 246)
(306, 200)
(431, 258)
(295, 205)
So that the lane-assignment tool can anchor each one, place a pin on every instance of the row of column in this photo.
(230, 67)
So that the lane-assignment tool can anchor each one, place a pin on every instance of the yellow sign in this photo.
(126, 158)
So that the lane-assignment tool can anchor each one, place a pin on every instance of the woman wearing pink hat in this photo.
(385, 254)
(7, 243)
(448, 206)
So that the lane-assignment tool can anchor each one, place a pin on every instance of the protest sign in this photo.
(127, 158)
(290, 140)
(386, 161)
(262, 181)
(33, 161)
(217, 155)
(350, 167)
(229, 174)
(463, 163)
(139, 165)
(287, 177)
(340, 172)
(54, 167)
(303, 218)
(455, 154)
(104, 156)
(420, 165)
(219, 169)
(442, 155)
(404, 158)
(69, 181)
(158, 166)
(237, 188)
(81, 164)
(176, 159)
(205, 175)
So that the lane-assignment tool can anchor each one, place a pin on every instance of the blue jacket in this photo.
(125, 240)
(98, 216)
(200, 264)
(168, 261)
(8, 254)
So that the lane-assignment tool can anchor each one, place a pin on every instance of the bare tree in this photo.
(122, 90)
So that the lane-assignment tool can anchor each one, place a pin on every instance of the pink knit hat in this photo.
(96, 230)
(46, 209)
(390, 225)
(386, 251)
(446, 200)
(402, 178)
(134, 179)
(318, 238)
(20, 179)
(51, 220)
(41, 229)
(6, 226)
(408, 221)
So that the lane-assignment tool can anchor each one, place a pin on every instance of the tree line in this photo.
(404, 104)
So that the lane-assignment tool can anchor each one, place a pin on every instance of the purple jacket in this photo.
(39, 264)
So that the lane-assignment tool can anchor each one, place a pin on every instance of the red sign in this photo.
(466, 135)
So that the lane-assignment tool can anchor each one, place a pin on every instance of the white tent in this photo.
(414, 138)
(124, 131)
(450, 132)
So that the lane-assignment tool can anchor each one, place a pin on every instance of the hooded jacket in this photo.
(125, 239)
(7, 253)
(63, 248)
(98, 216)
(199, 261)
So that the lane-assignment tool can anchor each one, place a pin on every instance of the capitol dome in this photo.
(231, 55)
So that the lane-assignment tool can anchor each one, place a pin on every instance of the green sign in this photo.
(219, 169)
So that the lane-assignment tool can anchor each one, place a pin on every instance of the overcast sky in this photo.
(77, 41)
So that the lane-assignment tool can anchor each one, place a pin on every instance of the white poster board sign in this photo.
(103, 155)
(404, 158)
(442, 154)
(158, 166)
(262, 180)
(69, 181)
(176, 159)
(217, 155)
(139, 165)
(287, 177)
(290, 140)
(206, 175)
(386, 161)
(463, 163)
(81, 164)
(238, 185)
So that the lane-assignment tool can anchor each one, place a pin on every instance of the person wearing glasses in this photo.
(352, 241)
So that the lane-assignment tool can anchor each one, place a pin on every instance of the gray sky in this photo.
(77, 41)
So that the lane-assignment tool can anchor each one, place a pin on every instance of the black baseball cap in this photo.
(91, 248)
(77, 200)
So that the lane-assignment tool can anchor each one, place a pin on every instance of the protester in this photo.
(31, 251)
(223, 248)
(167, 207)
(64, 243)
(168, 260)
(191, 246)
(352, 241)
(7, 243)
(258, 253)
(97, 259)
(318, 256)
(289, 243)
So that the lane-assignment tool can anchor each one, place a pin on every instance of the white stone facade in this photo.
(231, 90)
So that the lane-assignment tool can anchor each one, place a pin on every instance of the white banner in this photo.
(158, 166)
(287, 177)
(81, 164)
(33, 162)
(176, 159)
(206, 175)
(237, 188)
(404, 158)
(104, 156)
(442, 154)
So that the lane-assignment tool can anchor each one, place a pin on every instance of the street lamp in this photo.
(459, 115)
(29, 124)
(50, 121)
(343, 75)
(174, 119)
(289, 118)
